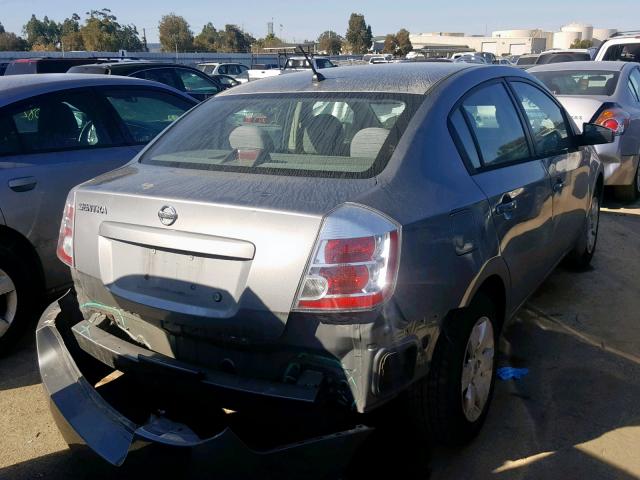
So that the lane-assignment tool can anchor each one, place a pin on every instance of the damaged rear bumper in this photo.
(86, 419)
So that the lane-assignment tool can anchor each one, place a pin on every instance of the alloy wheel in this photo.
(477, 369)
(8, 302)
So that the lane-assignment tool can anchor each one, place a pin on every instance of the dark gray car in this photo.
(322, 245)
(56, 131)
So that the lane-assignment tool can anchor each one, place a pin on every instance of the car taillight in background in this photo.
(613, 117)
(65, 238)
(354, 263)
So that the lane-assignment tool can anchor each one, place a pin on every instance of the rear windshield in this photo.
(563, 57)
(526, 60)
(333, 135)
(575, 82)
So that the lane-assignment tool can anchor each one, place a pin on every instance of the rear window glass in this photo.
(526, 60)
(343, 135)
(563, 57)
(576, 82)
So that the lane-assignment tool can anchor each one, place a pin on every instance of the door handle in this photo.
(23, 184)
(506, 206)
(558, 186)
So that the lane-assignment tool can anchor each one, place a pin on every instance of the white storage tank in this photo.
(601, 34)
(585, 30)
(565, 39)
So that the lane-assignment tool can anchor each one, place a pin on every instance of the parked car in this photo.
(181, 77)
(607, 94)
(564, 55)
(623, 46)
(470, 58)
(3, 67)
(293, 64)
(23, 66)
(56, 131)
(502, 61)
(321, 245)
(226, 81)
(235, 70)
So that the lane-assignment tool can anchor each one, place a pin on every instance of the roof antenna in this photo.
(317, 76)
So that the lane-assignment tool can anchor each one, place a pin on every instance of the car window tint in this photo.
(634, 80)
(196, 83)
(323, 63)
(161, 75)
(496, 125)
(223, 70)
(146, 113)
(579, 82)
(67, 120)
(629, 52)
(9, 141)
(549, 128)
(465, 141)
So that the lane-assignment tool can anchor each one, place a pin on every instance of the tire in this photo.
(580, 257)
(629, 193)
(19, 299)
(439, 404)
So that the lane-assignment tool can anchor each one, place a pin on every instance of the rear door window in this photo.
(464, 140)
(548, 126)
(197, 83)
(60, 121)
(145, 113)
(495, 125)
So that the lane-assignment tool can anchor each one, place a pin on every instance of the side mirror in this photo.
(593, 134)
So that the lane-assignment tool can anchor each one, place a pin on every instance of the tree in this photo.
(582, 44)
(359, 34)
(234, 40)
(102, 32)
(70, 36)
(403, 40)
(208, 40)
(44, 33)
(390, 44)
(330, 42)
(175, 33)
(10, 42)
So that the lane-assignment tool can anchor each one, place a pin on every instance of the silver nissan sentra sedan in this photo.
(328, 245)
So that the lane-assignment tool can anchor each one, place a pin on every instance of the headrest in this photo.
(368, 142)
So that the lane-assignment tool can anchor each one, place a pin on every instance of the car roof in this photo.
(585, 65)
(18, 87)
(415, 77)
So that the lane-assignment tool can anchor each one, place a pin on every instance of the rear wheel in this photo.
(451, 403)
(18, 299)
(629, 193)
(585, 247)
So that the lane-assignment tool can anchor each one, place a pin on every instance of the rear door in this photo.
(491, 132)
(567, 164)
(58, 140)
(198, 85)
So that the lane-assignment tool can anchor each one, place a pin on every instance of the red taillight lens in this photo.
(614, 118)
(65, 239)
(348, 250)
(351, 272)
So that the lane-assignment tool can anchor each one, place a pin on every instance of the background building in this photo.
(511, 42)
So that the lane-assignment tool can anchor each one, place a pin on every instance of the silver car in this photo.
(608, 94)
(321, 246)
(58, 130)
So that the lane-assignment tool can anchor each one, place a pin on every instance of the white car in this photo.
(293, 64)
(236, 70)
(623, 46)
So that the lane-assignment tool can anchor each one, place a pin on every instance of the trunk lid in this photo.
(582, 108)
(217, 250)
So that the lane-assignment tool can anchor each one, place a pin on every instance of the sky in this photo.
(302, 20)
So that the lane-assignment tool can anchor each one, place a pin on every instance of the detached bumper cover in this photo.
(85, 418)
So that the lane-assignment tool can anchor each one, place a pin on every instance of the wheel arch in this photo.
(18, 243)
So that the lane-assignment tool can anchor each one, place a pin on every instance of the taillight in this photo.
(354, 263)
(65, 238)
(614, 118)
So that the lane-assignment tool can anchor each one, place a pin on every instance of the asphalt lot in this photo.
(575, 415)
